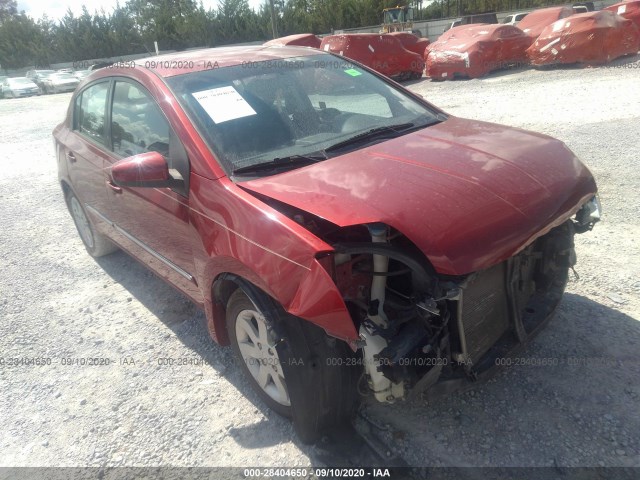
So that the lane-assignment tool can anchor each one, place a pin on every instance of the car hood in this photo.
(469, 194)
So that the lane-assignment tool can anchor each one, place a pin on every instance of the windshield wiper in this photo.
(378, 132)
(292, 161)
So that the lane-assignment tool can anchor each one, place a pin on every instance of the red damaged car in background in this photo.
(592, 38)
(340, 232)
(412, 42)
(535, 22)
(300, 40)
(472, 51)
(629, 10)
(382, 52)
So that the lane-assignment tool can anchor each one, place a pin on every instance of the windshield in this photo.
(263, 111)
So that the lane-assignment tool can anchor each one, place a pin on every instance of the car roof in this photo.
(179, 63)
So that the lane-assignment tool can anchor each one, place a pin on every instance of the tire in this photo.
(317, 372)
(95, 243)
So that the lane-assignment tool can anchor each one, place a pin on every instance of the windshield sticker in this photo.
(353, 72)
(223, 104)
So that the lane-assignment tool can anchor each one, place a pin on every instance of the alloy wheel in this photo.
(260, 356)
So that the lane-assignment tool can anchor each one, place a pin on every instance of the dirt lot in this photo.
(57, 303)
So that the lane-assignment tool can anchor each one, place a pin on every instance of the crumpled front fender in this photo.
(318, 300)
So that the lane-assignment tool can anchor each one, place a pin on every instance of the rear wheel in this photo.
(96, 244)
(296, 369)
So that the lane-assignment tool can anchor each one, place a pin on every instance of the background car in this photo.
(490, 17)
(38, 76)
(2, 79)
(343, 235)
(471, 51)
(19, 87)
(81, 74)
(514, 18)
(382, 52)
(59, 83)
(412, 42)
(590, 38)
(533, 24)
(629, 10)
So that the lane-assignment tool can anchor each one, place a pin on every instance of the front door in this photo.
(152, 222)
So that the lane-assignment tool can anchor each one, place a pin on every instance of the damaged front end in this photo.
(420, 330)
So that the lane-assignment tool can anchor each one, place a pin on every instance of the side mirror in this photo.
(147, 169)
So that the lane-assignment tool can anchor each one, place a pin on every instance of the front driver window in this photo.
(137, 124)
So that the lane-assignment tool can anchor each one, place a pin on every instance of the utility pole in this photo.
(274, 28)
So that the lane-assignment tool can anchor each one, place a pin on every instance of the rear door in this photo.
(151, 222)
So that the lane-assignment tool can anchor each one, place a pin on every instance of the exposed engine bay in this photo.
(421, 331)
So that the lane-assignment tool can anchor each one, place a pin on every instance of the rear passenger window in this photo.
(137, 124)
(90, 115)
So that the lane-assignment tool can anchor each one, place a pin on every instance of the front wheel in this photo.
(295, 368)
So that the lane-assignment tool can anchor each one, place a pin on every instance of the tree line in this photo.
(180, 24)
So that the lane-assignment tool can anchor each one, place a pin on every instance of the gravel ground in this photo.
(57, 303)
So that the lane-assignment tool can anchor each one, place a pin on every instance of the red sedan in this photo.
(591, 38)
(472, 51)
(385, 53)
(535, 22)
(340, 232)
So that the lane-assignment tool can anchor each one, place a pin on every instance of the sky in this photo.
(56, 9)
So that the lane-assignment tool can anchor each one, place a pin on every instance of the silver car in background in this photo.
(38, 76)
(60, 82)
(514, 18)
(19, 87)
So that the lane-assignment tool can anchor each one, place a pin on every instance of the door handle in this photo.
(71, 157)
(114, 187)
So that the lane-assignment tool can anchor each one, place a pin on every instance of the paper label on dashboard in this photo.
(223, 104)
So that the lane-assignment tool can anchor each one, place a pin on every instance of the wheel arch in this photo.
(222, 288)
(315, 299)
